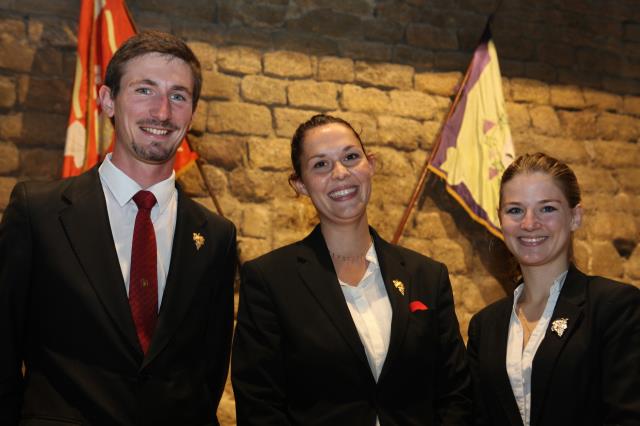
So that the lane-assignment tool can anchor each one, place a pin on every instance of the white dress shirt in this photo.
(519, 360)
(119, 190)
(370, 309)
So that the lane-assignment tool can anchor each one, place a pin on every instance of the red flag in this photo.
(104, 26)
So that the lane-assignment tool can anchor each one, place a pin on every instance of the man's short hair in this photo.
(152, 42)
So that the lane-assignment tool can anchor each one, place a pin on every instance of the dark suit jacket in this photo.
(64, 312)
(588, 376)
(298, 358)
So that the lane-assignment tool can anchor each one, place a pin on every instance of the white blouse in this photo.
(519, 361)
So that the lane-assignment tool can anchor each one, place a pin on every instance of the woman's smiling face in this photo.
(335, 173)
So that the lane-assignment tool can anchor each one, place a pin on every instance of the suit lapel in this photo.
(498, 367)
(86, 224)
(392, 268)
(318, 274)
(570, 306)
(186, 263)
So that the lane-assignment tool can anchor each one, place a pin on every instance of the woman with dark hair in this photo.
(564, 349)
(343, 328)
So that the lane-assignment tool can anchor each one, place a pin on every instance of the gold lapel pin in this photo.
(399, 285)
(198, 240)
(559, 326)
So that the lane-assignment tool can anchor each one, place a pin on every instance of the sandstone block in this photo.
(518, 115)
(383, 30)
(46, 94)
(629, 179)
(567, 97)
(293, 213)
(364, 124)
(390, 162)
(578, 125)
(616, 126)
(206, 54)
(430, 37)
(412, 104)
(417, 244)
(595, 180)
(581, 254)
(632, 266)
(287, 64)
(9, 157)
(451, 254)
(7, 92)
(631, 105)
(385, 220)
(602, 100)
(370, 51)
(10, 126)
(40, 164)
(430, 130)
(398, 196)
(605, 260)
(224, 151)
(15, 52)
(250, 248)
(6, 186)
(241, 60)
(253, 185)
(610, 225)
(311, 94)
(191, 182)
(442, 83)
(336, 69)
(269, 153)
(220, 86)
(199, 122)
(239, 117)
(216, 178)
(356, 98)
(328, 22)
(256, 221)
(525, 90)
(410, 55)
(287, 120)
(430, 225)
(467, 294)
(384, 75)
(37, 128)
(260, 89)
(613, 154)
(401, 133)
(571, 151)
(545, 120)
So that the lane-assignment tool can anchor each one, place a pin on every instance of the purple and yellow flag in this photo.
(475, 145)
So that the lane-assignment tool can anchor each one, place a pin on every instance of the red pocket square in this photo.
(417, 306)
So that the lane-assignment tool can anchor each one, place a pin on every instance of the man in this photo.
(116, 289)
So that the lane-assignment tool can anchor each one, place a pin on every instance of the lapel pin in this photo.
(198, 240)
(559, 326)
(399, 285)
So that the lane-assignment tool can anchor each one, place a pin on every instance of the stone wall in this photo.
(571, 82)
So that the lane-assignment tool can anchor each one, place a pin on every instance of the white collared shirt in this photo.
(119, 190)
(370, 309)
(519, 361)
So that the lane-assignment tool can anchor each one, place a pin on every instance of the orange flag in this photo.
(104, 26)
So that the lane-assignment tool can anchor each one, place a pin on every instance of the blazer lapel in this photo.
(392, 268)
(497, 364)
(318, 274)
(86, 224)
(186, 262)
(569, 306)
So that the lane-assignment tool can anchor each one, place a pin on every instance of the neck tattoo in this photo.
(350, 258)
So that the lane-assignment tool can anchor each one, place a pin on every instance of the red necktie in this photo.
(143, 279)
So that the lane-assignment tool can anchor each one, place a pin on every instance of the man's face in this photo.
(153, 109)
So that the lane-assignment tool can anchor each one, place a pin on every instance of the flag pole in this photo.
(425, 169)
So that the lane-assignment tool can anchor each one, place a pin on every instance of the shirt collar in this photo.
(124, 188)
(554, 291)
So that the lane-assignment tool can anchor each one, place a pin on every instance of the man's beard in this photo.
(156, 152)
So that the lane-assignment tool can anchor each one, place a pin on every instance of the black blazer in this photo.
(298, 358)
(588, 376)
(64, 312)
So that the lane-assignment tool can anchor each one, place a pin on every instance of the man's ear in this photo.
(106, 101)
(299, 186)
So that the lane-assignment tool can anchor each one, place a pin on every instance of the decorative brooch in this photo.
(559, 326)
(198, 240)
(399, 285)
